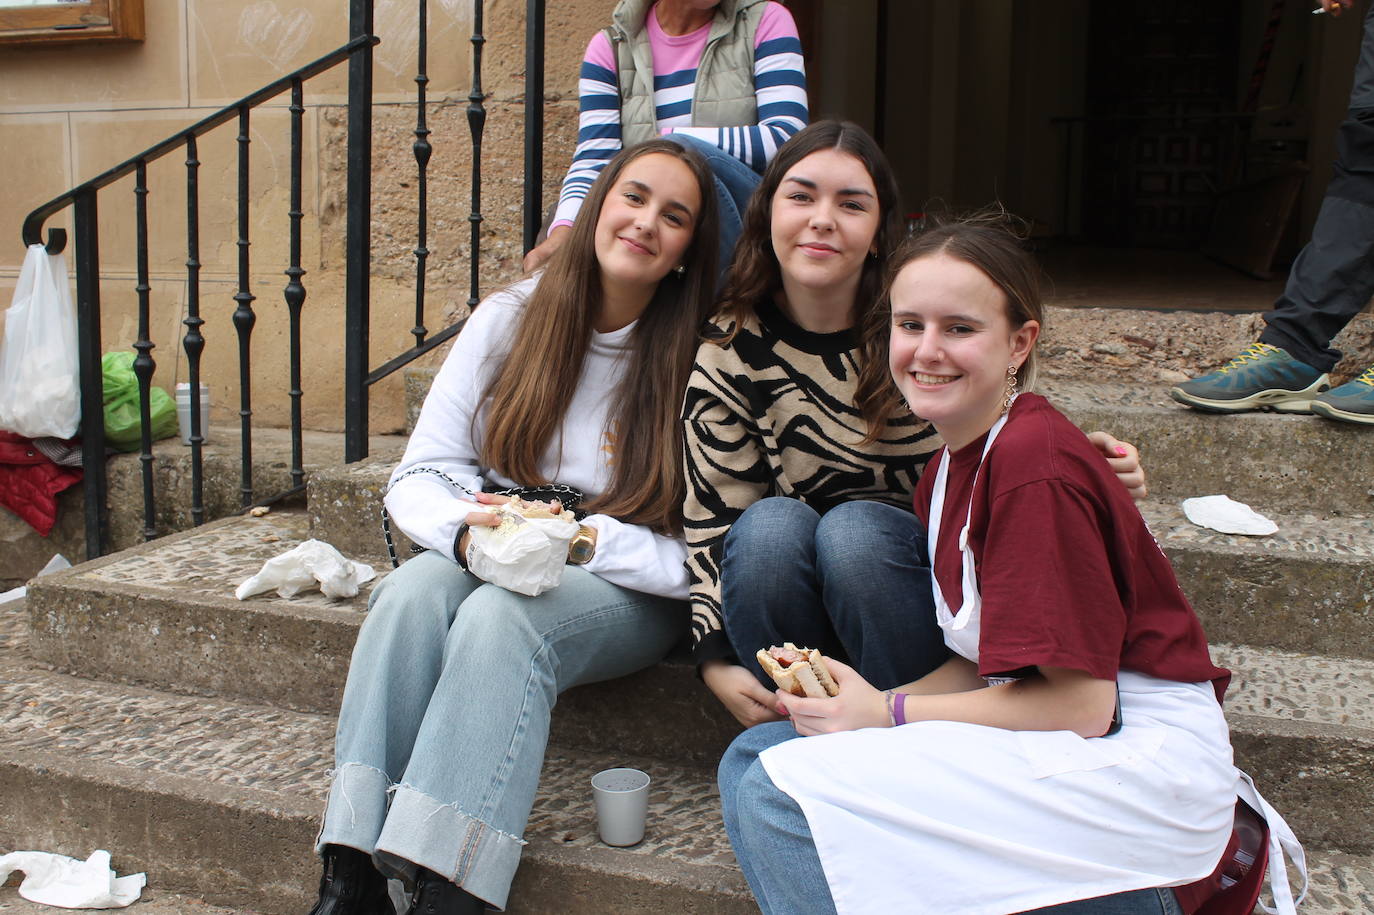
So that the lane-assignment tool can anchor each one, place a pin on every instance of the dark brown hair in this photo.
(529, 393)
(755, 274)
(990, 240)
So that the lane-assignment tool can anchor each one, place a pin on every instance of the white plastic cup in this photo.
(184, 412)
(622, 805)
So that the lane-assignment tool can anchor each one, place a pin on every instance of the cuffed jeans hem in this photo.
(421, 830)
(356, 809)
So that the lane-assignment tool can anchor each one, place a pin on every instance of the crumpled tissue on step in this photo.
(1222, 513)
(312, 563)
(51, 879)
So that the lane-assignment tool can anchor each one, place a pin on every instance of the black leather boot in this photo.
(351, 885)
(435, 895)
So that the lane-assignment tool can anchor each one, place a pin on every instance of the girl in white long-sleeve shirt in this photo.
(573, 377)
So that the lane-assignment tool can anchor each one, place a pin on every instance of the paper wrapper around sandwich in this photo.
(524, 555)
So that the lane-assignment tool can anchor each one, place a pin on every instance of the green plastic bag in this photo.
(123, 428)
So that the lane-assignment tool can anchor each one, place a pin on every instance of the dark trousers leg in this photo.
(1333, 277)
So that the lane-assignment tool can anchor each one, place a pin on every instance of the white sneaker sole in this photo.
(1278, 401)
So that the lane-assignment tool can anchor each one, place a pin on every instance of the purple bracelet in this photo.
(899, 708)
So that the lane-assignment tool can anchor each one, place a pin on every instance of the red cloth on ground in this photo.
(1069, 573)
(30, 482)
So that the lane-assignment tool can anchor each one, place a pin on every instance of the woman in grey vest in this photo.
(725, 78)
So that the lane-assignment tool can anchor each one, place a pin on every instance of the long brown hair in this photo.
(991, 240)
(525, 408)
(755, 274)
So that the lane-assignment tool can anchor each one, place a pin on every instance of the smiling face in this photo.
(825, 217)
(951, 343)
(646, 223)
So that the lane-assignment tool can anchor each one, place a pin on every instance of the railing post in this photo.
(95, 483)
(534, 121)
(358, 244)
(477, 119)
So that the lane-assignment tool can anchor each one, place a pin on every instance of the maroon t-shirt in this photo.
(1069, 574)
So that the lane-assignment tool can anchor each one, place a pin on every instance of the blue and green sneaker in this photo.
(1352, 402)
(1263, 377)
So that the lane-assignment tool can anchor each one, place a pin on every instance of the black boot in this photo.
(351, 885)
(435, 895)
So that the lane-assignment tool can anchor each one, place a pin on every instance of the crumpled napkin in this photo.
(51, 879)
(1222, 513)
(524, 555)
(312, 563)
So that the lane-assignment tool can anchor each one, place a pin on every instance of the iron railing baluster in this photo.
(358, 242)
(477, 119)
(295, 291)
(95, 482)
(244, 319)
(534, 121)
(422, 151)
(144, 365)
(193, 342)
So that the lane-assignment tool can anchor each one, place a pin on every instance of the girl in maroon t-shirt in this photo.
(1074, 746)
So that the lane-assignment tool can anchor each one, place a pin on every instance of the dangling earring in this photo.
(1011, 388)
(680, 270)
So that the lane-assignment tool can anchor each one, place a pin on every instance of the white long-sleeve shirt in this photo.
(449, 431)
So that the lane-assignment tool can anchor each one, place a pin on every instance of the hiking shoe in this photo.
(1352, 402)
(1263, 377)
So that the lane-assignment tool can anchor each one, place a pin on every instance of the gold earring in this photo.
(1011, 388)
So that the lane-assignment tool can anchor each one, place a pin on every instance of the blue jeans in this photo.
(445, 715)
(777, 854)
(735, 184)
(854, 582)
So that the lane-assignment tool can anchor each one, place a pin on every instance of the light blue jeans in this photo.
(777, 854)
(735, 184)
(445, 715)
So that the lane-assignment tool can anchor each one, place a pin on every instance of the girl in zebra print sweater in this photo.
(800, 456)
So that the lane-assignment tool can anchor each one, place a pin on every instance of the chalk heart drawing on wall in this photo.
(396, 22)
(274, 36)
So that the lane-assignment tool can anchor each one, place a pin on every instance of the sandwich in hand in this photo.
(800, 671)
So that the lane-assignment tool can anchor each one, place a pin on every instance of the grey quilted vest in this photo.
(724, 91)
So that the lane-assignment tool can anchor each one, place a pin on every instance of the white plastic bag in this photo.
(40, 392)
(57, 880)
(524, 555)
(309, 564)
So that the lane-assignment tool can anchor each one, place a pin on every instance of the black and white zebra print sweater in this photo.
(771, 413)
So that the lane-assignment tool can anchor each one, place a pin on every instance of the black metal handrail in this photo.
(83, 199)
(358, 375)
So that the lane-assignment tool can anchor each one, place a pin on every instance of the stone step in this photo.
(25, 552)
(1308, 587)
(220, 800)
(1277, 463)
(161, 615)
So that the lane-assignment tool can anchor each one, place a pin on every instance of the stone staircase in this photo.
(147, 711)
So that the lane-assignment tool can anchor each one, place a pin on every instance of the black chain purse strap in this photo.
(570, 496)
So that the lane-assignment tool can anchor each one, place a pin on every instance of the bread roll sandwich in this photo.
(800, 671)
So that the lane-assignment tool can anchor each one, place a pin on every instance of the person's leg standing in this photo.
(769, 590)
(464, 799)
(1333, 277)
(875, 582)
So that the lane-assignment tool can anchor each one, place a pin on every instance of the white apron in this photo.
(944, 817)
